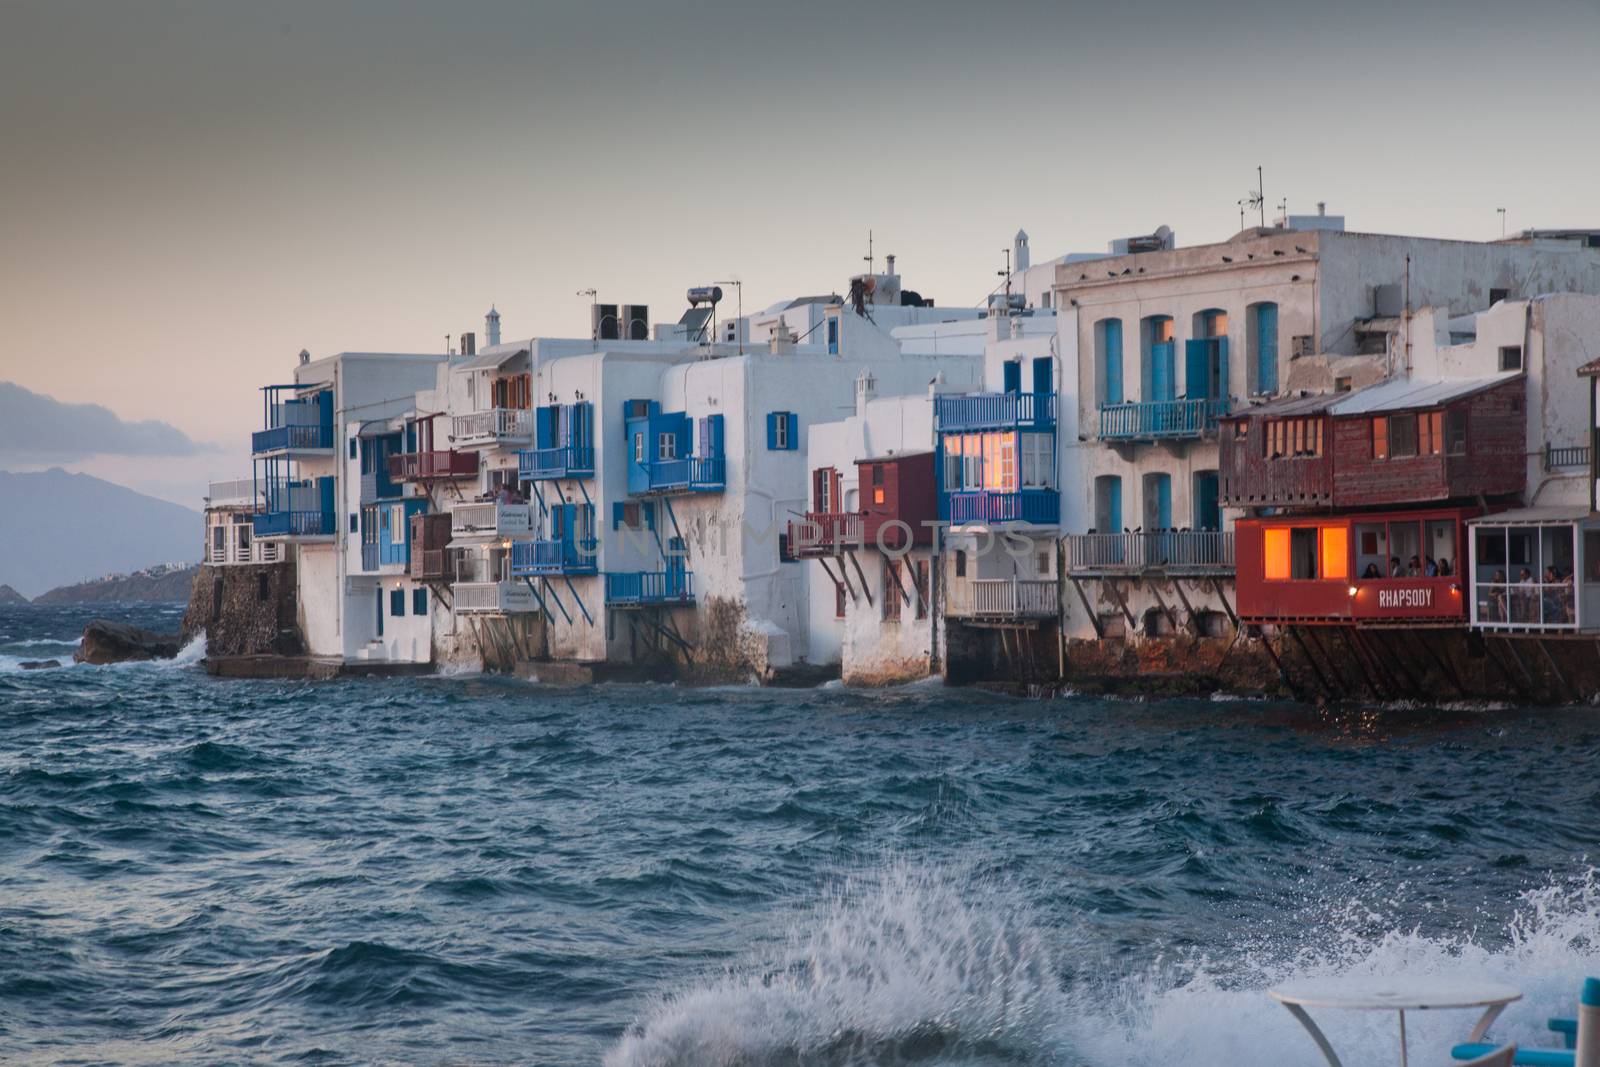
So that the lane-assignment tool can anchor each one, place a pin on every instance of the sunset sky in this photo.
(192, 192)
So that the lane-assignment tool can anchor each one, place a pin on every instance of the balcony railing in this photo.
(237, 493)
(507, 596)
(693, 475)
(987, 411)
(495, 427)
(1041, 507)
(490, 518)
(534, 558)
(1565, 457)
(428, 565)
(430, 466)
(1176, 551)
(232, 552)
(1539, 606)
(1161, 419)
(823, 533)
(293, 524)
(547, 464)
(1002, 598)
(299, 438)
(649, 587)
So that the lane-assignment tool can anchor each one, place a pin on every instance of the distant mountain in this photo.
(9, 596)
(58, 528)
(164, 584)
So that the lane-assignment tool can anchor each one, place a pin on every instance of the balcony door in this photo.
(1160, 379)
(1157, 502)
(1108, 503)
(1012, 370)
(1207, 513)
(1043, 375)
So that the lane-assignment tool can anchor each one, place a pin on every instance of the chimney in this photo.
(866, 389)
(491, 327)
(782, 339)
(889, 259)
(1019, 252)
(469, 344)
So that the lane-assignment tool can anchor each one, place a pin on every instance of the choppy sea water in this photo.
(468, 870)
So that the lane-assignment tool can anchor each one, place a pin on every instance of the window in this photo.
(1293, 438)
(1402, 436)
(1303, 552)
(666, 446)
(1497, 295)
(397, 603)
(1263, 339)
(1108, 357)
(352, 448)
(397, 524)
(1380, 438)
(1341, 385)
(1335, 552)
(638, 448)
(355, 522)
(833, 337)
(879, 493)
(1275, 554)
(920, 577)
(961, 563)
(1455, 431)
(1042, 568)
(783, 431)
(219, 536)
(1038, 464)
(1511, 357)
(1430, 427)
(627, 516)
(892, 591)
(419, 601)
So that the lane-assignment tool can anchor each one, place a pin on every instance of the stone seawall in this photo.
(246, 609)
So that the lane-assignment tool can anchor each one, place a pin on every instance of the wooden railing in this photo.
(1002, 598)
(488, 427)
(566, 461)
(994, 410)
(649, 587)
(1039, 506)
(1161, 419)
(1559, 457)
(423, 466)
(429, 564)
(1188, 551)
(823, 532)
(692, 473)
(491, 518)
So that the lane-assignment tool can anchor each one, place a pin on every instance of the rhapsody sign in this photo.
(1406, 598)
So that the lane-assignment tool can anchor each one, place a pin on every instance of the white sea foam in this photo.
(907, 969)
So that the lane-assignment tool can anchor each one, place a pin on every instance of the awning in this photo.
(490, 360)
(1551, 515)
(1404, 394)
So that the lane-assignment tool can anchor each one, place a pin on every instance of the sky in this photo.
(190, 193)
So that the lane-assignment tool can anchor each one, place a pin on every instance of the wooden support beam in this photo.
(1283, 672)
(1389, 680)
(865, 588)
(1216, 587)
(1094, 616)
(1116, 594)
(1522, 665)
(1357, 653)
(1316, 639)
(843, 579)
(1442, 661)
(1172, 619)
(1316, 669)
(1400, 670)
(1188, 608)
(1556, 668)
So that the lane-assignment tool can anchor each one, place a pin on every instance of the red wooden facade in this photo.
(1305, 453)
(1340, 570)
(902, 488)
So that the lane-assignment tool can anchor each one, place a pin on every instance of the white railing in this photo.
(507, 596)
(491, 519)
(232, 553)
(237, 493)
(1195, 551)
(490, 427)
(1010, 598)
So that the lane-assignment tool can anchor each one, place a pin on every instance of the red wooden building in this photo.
(897, 493)
(1398, 443)
(1354, 569)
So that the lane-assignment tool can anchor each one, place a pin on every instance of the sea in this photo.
(466, 870)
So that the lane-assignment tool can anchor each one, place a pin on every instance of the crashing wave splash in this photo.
(908, 970)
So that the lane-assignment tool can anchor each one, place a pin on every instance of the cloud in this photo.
(37, 428)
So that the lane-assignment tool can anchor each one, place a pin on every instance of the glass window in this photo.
(961, 563)
(1380, 438)
(1405, 549)
(1275, 553)
(1456, 431)
(1440, 549)
(667, 446)
(1335, 552)
(1402, 436)
(1303, 552)
(1372, 550)
(397, 524)
(638, 448)
(1435, 434)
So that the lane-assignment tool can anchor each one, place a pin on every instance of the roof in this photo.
(1590, 369)
(1543, 516)
(1402, 394)
(491, 360)
(892, 457)
(1314, 404)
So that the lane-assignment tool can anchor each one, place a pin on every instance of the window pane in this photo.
(1275, 553)
(1303, 552)
(1380, 438)
(1335, 552)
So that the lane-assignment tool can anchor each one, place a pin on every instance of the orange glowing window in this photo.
(1275, 554)
(1335, 552)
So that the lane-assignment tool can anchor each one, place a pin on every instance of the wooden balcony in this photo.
(634, 589)
(549, 464)
(996, 411)
(1179, 552)
(1038, 507)
(1161, 420)
(1002, 599)
(556, 556)
(490, 519)
(503, 597)
(497, 427)
(433, 466)
(825, 533)
(429, 565)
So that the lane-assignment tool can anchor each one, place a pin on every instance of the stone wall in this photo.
(245, 610)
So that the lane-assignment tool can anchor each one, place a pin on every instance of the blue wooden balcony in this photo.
(293, 524)
(645, 588)
(1040, 507)
(1170, 420)
(295, 424)
(996, 411)
(531, 559)
(303, 438)
(548, 464)
(691, 475)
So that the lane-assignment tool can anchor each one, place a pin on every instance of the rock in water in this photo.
(116, 642)
(38, 664)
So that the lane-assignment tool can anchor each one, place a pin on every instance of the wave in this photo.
(910, 971)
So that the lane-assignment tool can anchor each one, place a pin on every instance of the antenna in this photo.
(1007, 274)
(868, 256)
(1502, 212)
(1254, 199)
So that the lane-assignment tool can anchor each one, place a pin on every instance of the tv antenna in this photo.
(1007, 275)
(1256, 198)
(868, 256)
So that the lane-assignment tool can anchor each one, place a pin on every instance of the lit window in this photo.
(1335, 552)
(1275, 554)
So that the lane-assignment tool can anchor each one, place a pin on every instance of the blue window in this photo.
(1158, 501)
(397, 603)
(380, 612)
(1108, 504)
(352, 448)
(783, 431)
(1264, 331)
(833, 337)
(419, 601)
(1012, 370)
(355, 522)
(1109, 336)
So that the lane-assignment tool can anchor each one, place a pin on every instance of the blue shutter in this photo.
(794, 431)
(1219, 353)
(1196, 370)
(616, 515)
(564, 426)
(1043, 375)
(715, 434)
(1163, 502)
(1266, 348)
(1113, 362)
(648, 509)
(544, 428)
(772, 430)
(1206, 514)
(1114, 504)
(419, 602)
(380, 612)
(1013, 376)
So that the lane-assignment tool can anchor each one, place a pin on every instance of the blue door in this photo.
(1112, 371)
(1207, 515)
(1158, 502)
(1266, 348)
(380, 612)
(677, 567)
(1013, 376)
(1108, 504)
(1162, 383)
(1043, 375)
